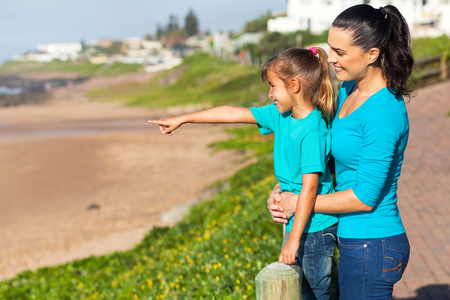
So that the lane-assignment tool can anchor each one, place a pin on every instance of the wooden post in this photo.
(279, 281)
(444, 72)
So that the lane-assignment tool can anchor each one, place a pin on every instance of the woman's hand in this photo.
(289, 252)
(281, 205)
(168, 125)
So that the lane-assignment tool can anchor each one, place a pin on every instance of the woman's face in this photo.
(350, 62)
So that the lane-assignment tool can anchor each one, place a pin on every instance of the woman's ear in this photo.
(374, 53)
(294, 85)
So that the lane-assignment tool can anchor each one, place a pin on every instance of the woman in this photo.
(370, 50)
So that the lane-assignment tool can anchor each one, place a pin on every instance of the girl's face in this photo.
(279, 93)
(350, 62)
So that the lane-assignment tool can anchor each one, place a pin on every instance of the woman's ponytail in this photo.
(325, 100)
(397, 60)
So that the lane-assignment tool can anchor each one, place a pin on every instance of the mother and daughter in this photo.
(366, 132)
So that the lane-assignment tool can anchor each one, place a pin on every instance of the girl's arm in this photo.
(219, 114)
(305, 205)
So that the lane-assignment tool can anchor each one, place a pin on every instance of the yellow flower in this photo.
(114, 283)
(160, 275)
(238, 281)
(226, 256)
(249, 265)
(225, 241)
(150, 283)
(249, 287)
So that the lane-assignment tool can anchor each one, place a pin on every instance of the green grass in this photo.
(425, 47)
(200, 79)
(83, 68)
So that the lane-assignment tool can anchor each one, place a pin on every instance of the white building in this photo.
(61, 51)
(424, 17)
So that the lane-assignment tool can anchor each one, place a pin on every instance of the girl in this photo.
(301, 88)
(371, 53)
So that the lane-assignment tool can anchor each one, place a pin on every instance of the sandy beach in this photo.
(81, 178)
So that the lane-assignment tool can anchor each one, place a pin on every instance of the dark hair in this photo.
(385, 29)
(312, 72)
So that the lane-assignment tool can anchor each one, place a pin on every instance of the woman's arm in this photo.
(282, 205)
(219, 114)
(305, 205)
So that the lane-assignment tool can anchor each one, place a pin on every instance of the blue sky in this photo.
(26, 23)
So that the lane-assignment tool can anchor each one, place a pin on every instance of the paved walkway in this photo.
(424, 196)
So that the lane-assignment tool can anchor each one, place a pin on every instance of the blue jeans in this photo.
(315, 256)
(369, 268)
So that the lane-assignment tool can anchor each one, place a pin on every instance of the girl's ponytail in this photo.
(325, 100)
(397, 60)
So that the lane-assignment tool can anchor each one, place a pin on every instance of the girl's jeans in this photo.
(369, 268)
(315, 256)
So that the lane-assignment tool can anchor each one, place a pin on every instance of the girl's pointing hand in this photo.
(168, 125)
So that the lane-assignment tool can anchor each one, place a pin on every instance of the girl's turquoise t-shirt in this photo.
(368, 147)
(301, 146)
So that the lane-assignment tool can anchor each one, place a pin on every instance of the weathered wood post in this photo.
(278, 281)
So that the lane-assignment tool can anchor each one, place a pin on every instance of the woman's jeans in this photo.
(369, 268)
(315, 256)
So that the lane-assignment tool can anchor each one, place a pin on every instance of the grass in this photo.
(84, 68)
(201, 78)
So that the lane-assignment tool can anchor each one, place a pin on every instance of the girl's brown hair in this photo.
(312, 72)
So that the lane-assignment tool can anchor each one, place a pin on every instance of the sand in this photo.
(79, 178)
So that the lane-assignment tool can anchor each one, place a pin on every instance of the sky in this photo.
(26, 23)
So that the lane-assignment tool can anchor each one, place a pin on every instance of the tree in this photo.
(258, 25)
(160, 32)
(191, 25)
(173, 24)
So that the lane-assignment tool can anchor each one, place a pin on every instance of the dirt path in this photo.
(80, 178)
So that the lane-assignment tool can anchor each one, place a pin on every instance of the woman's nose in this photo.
(332, 58)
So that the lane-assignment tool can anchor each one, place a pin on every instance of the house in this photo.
(424, 17)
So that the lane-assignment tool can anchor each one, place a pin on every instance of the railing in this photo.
(429, 70)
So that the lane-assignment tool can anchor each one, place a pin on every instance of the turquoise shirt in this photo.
(301, 146)
(368, 147)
